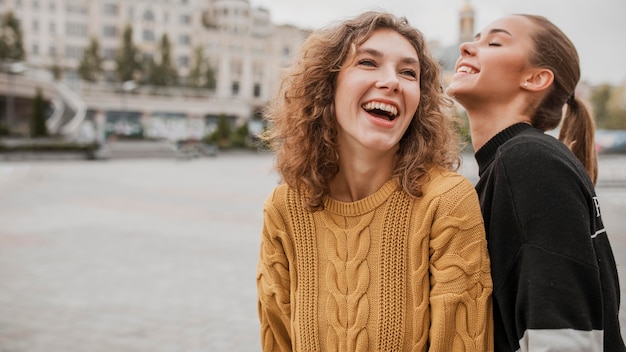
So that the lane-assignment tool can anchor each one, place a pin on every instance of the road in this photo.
(149, 254)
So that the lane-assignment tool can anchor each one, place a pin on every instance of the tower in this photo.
(466, 25)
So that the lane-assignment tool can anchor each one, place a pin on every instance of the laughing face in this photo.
(378, 92)
(495, 64)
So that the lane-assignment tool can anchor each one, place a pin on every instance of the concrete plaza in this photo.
(149, 254)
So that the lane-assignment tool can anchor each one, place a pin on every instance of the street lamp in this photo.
(12, 68)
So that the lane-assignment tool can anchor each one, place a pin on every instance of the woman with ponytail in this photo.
(555, 282)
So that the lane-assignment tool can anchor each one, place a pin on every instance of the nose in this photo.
(388, 79)
(467, 48)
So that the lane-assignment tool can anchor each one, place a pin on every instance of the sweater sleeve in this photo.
(273, 280)
(548, 291)
(460, 298)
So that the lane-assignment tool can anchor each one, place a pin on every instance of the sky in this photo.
(596, 27)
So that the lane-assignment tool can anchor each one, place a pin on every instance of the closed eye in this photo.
(494, 44)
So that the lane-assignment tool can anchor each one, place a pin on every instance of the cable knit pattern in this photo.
(386, 273)
(347, 278)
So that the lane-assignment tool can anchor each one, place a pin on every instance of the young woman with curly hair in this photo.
(372, 242)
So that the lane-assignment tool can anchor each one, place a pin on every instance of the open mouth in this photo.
(466, 69)
(381, 110)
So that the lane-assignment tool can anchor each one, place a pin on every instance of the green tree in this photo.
(211, 82)
(128, 58)
(201, 74)
(600, 96)
(163, 72)
(196, 74)
(240, 137)
(38, 126)
(617, 108)
(90, 66)
(57, 71)
(11, 42)
(222, 133)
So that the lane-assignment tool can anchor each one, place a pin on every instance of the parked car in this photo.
(611, 141)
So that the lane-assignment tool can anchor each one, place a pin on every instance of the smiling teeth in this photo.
(466, 69)
(381, 106)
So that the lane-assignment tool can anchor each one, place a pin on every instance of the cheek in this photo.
(507, 66)
(412, 99)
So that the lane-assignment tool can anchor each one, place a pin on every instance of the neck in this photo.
(487, 120)
(361, 176)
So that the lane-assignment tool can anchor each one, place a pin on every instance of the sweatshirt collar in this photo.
(485, 155)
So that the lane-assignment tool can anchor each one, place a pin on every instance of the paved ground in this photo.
(146, 255)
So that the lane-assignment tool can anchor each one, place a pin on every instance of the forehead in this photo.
(390, 39)
(516, 26)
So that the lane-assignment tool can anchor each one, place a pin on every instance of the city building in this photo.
(245, 50)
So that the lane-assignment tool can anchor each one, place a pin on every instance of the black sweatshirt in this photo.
(554, 276)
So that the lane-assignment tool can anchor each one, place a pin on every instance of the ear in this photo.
(538, 80)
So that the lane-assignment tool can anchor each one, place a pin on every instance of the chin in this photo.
(452, 91)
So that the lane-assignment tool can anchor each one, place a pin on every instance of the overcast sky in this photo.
(597, 27)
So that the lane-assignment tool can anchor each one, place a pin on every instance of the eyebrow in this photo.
(493, 31)
(378, 54)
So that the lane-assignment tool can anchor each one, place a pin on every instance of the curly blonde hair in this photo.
(303, 127)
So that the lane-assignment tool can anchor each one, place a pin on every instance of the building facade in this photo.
(245, 50)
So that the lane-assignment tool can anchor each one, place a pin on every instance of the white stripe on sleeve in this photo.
(561, 340)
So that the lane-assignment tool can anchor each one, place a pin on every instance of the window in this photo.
(76, 29)
(148, 35)
(35, 49)
(76, 8)
(234, 88)
(257, 90)
(110, 9)
(109, 31)
(184, 39)
(185, 19)
(74, 52)
(109, 53)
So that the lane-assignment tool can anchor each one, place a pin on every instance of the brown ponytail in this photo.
(577, 132)
(554, 51)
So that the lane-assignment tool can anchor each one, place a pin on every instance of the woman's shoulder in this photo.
(532, 143)
(443, 181)
(277, 198)
(533, 148)
(540, 159)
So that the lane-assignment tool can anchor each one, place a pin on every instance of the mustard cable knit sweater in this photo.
(386, 273)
